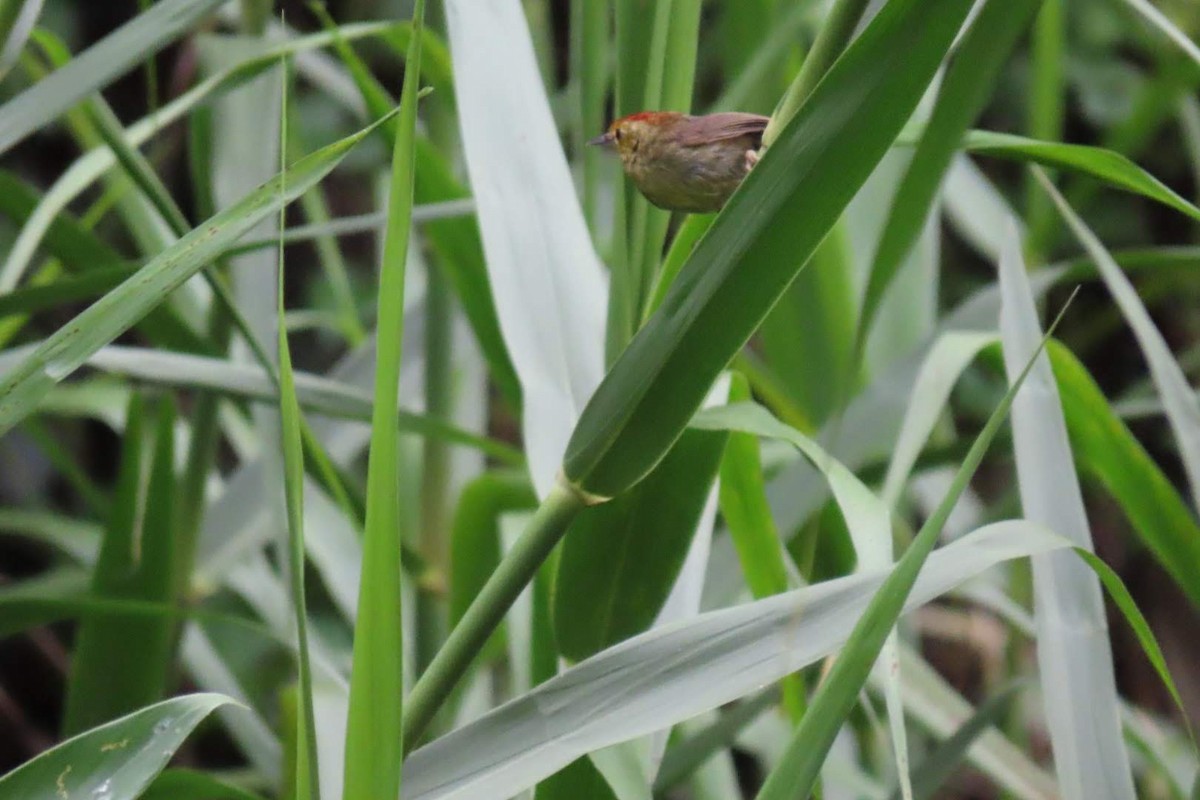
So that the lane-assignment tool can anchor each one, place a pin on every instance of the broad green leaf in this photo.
(97, 66)
(1096, 162)
(117, 760)
(579, 780)
(670, 674)
(70, 346)
(970, 79)
(808, 338)
(758, 244)
(760, 552)
(620, 559)
(1074, 652)
(373, 737)
(746, 512)
(122, 663)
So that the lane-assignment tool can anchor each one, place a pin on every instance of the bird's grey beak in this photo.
(603, 140)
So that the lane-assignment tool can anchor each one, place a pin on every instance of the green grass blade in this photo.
(667, 71)
(119, 759)
(94, 164)
(94, 68)
(970, 80)
(1095, 162)
(70, 346)
(1046, 109)
(1133, 615)
(456, 241)
(806, 752)
(758, 244)
(1160, 21)
(590, 23)
(17, 18)
(1183, 410)
(123, 663)
(746, 512)
(373, 735)
(941, 368)
(1107, 450)
(744, 506)
(867, 520)
(307, 780)
(1082, 710)
(836, 31)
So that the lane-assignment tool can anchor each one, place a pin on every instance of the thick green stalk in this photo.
(833, 37)
(483, 616)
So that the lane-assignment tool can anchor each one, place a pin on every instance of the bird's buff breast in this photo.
(699, 182)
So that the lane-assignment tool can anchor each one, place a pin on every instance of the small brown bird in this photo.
(685, 163)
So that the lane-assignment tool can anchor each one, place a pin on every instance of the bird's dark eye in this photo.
(617, 134)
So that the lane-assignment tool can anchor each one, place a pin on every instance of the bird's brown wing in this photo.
(719, 127)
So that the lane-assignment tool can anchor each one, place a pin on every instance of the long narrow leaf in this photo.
(758, 244)
(547, 279)
(673, 673)
(70, 346)
(1074, 653)
(306, 779)
(97, 66)
(969, 81)
(373, 738)
(1183, 410)
(801, 764)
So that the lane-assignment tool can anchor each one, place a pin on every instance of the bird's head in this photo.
(630, 135)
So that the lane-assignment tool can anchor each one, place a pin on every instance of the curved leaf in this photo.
(115, 761)
(758, 244)
(70, 346)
